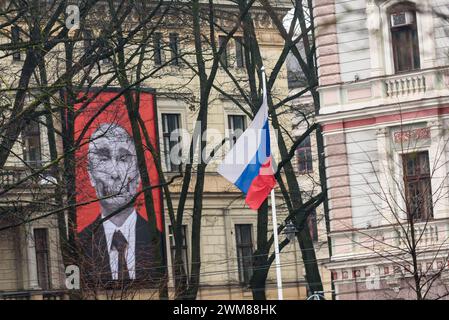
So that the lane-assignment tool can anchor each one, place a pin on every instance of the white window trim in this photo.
(232, 110)
(381, 50)
(399, 174)
(247, 120)
(170, 258)
(167, 109)
(242, 220)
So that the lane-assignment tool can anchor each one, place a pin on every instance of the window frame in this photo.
(26, 135)
(174, 48)
(158, 52)
(15, 40)
(185, 251)
(380, 38)
(424, 181)
(239, 52)
(230, 126)
(88, 39)
(224, 57)
(245, 270)
(305, 148)
(43, 253)
(168, 143)
(413, 42)
(312, 222)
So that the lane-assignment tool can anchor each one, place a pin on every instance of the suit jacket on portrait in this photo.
(95, 266)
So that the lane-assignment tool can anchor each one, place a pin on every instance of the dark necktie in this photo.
(120, 244)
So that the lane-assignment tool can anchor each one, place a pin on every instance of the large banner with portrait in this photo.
(115, 239)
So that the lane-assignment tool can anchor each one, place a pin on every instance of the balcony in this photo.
(389, 239)
(33, 295)
(11, 176)
(427, 235)
(407, 85)
(405, 90)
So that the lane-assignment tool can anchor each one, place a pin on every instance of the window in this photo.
(174, 48)
(237, 124)
(32, 144)
(107, 60)
(185, 255)
(42, 258)
(404, 37)
(295, 74)
(239, 52)
(224, 55)
(15, 39)
(243, 234)
(418, 190)
(88, 39)
(157, 47)
(170, 123)
(313, 225)
(304, 156)
(103, 48)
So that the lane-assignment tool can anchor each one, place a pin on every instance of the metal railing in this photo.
(33, 295)
(11, 176)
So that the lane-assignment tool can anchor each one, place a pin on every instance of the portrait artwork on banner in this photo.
(114, 235)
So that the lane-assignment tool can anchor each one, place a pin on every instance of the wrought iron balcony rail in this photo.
(24, 177)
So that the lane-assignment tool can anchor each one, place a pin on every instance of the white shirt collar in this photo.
(128, 229)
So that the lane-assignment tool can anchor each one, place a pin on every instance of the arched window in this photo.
(404, 37)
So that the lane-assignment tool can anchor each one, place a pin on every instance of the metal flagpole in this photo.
(276, 247)
(273, 212)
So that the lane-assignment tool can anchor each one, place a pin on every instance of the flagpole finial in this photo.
(262, 69)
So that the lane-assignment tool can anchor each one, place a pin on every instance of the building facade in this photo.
(31, 264)
(384, 90)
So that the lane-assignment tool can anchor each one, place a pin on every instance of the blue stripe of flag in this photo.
(253, 168)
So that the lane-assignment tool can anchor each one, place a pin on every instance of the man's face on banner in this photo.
(113, 169)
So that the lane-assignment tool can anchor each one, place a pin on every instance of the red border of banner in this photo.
(115, 113)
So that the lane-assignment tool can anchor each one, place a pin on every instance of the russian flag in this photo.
(248, 165)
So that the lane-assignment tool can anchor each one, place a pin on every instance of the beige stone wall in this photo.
(8, 267)
(219, 268)
(18, 269)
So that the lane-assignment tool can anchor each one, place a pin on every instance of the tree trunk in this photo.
(261, 267)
